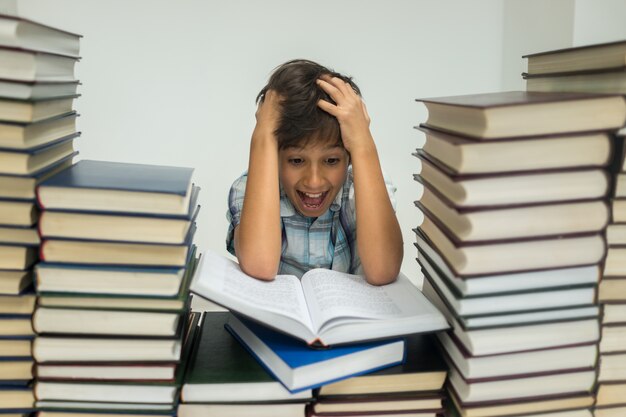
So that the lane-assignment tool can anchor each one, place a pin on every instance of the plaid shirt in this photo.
(328, 241)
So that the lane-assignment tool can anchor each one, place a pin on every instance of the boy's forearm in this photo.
(258, 236)
(379, 238)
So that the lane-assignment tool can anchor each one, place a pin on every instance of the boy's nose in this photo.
(313, 179)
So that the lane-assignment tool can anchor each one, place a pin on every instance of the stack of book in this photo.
(112, 321)
(599, 68)
(413, 388)
(37, 129)
(515, 205)
(307, 334)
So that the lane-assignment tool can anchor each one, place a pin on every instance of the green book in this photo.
(222, 371)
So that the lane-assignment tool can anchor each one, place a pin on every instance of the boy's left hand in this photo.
(349, 110)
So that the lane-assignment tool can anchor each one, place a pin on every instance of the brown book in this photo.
(468, 156)
(524, 114)
(425, 402)
(609, 55)
(609, 81)
(512, 189)
(612, 287)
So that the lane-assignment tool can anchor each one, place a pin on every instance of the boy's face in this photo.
(312, 176)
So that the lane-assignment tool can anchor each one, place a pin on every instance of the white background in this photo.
(174, 82)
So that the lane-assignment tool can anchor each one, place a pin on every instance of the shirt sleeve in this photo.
(235, 204)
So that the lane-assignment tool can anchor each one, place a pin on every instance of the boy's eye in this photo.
(332, 161)
(296, 161)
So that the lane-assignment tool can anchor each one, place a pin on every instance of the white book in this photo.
(325, 307)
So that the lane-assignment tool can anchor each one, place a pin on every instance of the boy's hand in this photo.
(349, 110)
(268, 113)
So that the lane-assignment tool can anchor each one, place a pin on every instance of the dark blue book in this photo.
(299, 367)
(32, 161)
(118, 187)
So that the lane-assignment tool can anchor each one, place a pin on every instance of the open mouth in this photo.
(312, 201)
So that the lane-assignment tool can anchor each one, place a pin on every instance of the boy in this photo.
(313, 180)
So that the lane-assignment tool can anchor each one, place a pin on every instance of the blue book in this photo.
(118, 187)
(299, 367)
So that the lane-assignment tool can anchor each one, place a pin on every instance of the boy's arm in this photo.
(258, 235)
(379, 239)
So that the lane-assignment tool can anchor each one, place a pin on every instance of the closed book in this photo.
(23, 136)
(515, 255)
(614, 313)
(102, 186)
(611, 393)
(609, 411)
(18, 235)
(299, 367)
(33, 90)
(18, 32)
(542, 406)
(518, 363)
(610, 81)
(31, 162)
(616, 234)
(15, 326)
(29, 111)
(416, 402)
(468, 156)
(518, 337)
(542, 220)
(114, 253)
(423, 370)
(507, 282)
(118, 227)
(136, 372)
(17, 256)
(14, 281)
(16, 400)
(112, 280)
(512, 189)
(15, 348)
(17, 304)
(22, 187)
(613, 338)
(580, 58)
(612, 288)
(612, 368)
(520, 301)
(507, 318)
(526, 387)
(242, 410)
(16, 371)
(110, 349)
(29, 65)
(523, 114)
(17, 213)
(222, 371)
(48, 320)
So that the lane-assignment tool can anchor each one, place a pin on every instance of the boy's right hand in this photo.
(268, 114)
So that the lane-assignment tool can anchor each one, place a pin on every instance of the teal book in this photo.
(222, 371)
(102, 186)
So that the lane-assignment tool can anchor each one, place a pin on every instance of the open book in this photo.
(324, 308)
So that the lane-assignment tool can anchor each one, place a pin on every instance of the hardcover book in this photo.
(299, 367)
(321, 309)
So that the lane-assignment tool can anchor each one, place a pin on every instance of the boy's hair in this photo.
(302, 121)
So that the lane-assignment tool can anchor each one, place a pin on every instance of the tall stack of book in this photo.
(113, 323)
(515, 203)
(37, 129)
(599, 68)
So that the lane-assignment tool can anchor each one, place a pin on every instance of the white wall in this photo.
(174, 82)
(597, 21)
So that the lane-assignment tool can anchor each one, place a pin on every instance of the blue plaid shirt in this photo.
(328, 241)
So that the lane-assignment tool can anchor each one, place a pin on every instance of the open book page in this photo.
(221, 280)
(333, 295)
